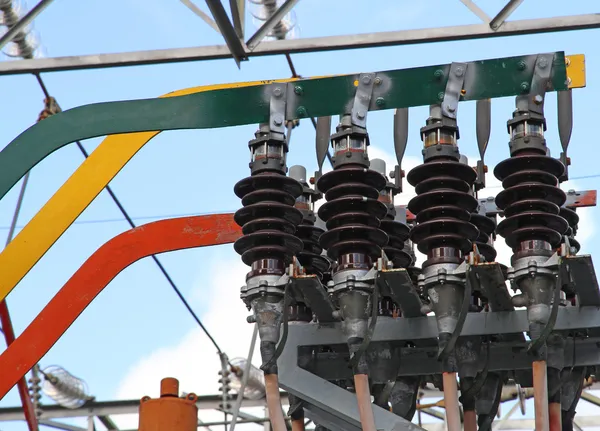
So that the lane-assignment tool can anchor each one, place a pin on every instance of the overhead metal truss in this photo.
(235, 46)
(52, 415)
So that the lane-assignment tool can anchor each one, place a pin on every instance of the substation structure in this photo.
(344, 315)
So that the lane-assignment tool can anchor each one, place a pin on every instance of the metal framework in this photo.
(253, 47)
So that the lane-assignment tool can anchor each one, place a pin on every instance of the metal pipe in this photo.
(540, 396)
(23, 22)
(451, 402)
(329, 43)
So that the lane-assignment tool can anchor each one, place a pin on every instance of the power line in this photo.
(133, 225)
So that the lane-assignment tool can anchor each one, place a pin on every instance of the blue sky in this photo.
(184, 172)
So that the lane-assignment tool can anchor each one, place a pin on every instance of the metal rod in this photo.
(329, 43)
(503, 15)
(555, 417)
(238, 18)
(500, 424)
(540, 396)
(7, 326)
(470, 420)
(234, 44)
(203, 15)
(23, 22)
(270, 23)
(476, 10)
(451, 402)
(240, 395)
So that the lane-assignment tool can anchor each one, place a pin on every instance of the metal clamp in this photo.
(362, 99)
(539, 82)
(277, 102)
(454, 86)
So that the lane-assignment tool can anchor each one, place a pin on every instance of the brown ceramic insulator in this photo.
(530, 200)
(443, 207)
(169, 412)
(268, 218)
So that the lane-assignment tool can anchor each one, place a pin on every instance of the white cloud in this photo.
(192, 359)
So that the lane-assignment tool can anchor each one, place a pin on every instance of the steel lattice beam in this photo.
(304, 45)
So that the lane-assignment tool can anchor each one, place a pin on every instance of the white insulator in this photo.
(261, 10)
(64, 388)
(255, 386)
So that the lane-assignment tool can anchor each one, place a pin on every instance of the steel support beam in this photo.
(476, 10)
(304, 45)
(270, 24)
(111, 408)
(326, 403)
(234, 44)
(203, 15)
(503, 15)
(23, 22)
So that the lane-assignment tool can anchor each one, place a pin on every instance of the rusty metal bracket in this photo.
(362, 99)
(454, 86)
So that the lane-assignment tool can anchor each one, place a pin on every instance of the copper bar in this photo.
(540, 396)
(470, 420)
(451, 402)
(555, 416)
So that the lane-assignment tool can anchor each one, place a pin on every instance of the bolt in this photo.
(378, 81)
(301, 111)
(380, 101)
(542, 62)
(450, 108)
(438, 73)
(191, 397)
(251, 319)
(441, 95)
(366, 80)
(360, 115)
(459, 71)
(392, 174)
(538, 99)
(277, 92)
(277, 121)
(298, 90)
(573, 250)
(521, 65)
(524, 87)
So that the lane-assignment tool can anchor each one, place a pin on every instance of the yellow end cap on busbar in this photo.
(575, 70)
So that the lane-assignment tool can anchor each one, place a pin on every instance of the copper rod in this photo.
(274, 402)
(540, 396)
(555, 416)
(451, 402)
(470, 420)
(298, 425)
(363, 397)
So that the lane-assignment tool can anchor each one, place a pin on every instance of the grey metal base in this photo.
(336, 408)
